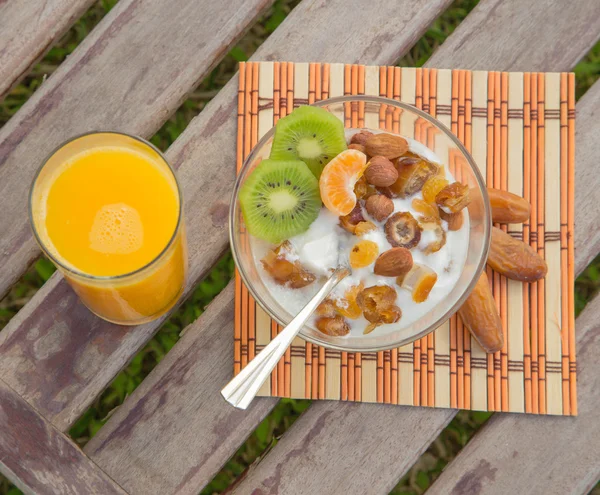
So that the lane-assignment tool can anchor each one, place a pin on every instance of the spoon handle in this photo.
(240, 391)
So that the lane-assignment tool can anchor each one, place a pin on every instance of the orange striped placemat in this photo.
(520, 129)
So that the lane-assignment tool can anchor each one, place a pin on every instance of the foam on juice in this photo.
(117, 229)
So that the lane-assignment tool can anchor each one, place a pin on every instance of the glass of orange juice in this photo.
(106, 208)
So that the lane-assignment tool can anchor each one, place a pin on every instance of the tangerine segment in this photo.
(338, 179)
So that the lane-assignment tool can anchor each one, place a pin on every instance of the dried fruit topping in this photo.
(363, 189)
(284, 271)
(381, 172)
(432, 227)
(480, 316)
(419, 281)
(364, 227)
(379, 207)
(348, 306)
(335, 326)
(394, 262)
(363, 253)
(453, 198)
(326, 308)
(377, 303)
(508, 207)
(427, 210)
(413, 172)
(358, 147)
(515, 259)
(360, 137)
(389, 145)
(455, 220)
(402, 230)
(432, 187)
(351, 220)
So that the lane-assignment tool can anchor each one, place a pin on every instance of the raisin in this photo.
(335, 326)
(455, 220)
(348, 306)
(363, 253)
(432, 187)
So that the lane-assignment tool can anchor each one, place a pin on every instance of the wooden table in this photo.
(175, 431)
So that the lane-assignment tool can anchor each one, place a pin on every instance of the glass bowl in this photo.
(384, 114)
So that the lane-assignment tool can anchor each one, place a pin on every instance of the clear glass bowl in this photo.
(372, 112)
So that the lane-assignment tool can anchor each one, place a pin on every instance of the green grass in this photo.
(452, 439)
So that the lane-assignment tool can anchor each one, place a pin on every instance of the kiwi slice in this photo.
(279, 199)
(310, 134)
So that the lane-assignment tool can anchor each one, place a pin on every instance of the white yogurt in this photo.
(319, 247)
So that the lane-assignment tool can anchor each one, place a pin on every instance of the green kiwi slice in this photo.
(279, 199)
(310, 134)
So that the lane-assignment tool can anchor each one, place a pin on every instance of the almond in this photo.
(381, 172)
(388, 145)
(394, 262)
(379, 207)
(360, 137)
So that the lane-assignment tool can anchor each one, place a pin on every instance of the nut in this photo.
(388, 145)
(394, 262)
(360, 138)
(359, 147)
(379, 207)
(381, 172)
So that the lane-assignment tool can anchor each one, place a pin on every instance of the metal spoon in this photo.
(240, 391)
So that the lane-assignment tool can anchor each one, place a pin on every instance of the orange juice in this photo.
(106, 209)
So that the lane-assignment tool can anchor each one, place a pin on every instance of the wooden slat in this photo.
(194, 431)
(504, 447)
(541, 455)
(122, 77)
(40, 459)
(505, 29)
(54, 351)
(28, 30)
(281, 464)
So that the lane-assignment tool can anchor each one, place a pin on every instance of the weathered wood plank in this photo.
(180, 402)
(58, 355)
(509, 45)
(122, 77)
(369, 451)
(40, 459)
(28, 30)
(540, 455)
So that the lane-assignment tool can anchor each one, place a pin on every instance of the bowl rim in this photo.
(487, 225)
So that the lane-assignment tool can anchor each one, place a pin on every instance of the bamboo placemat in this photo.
(520, 129)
